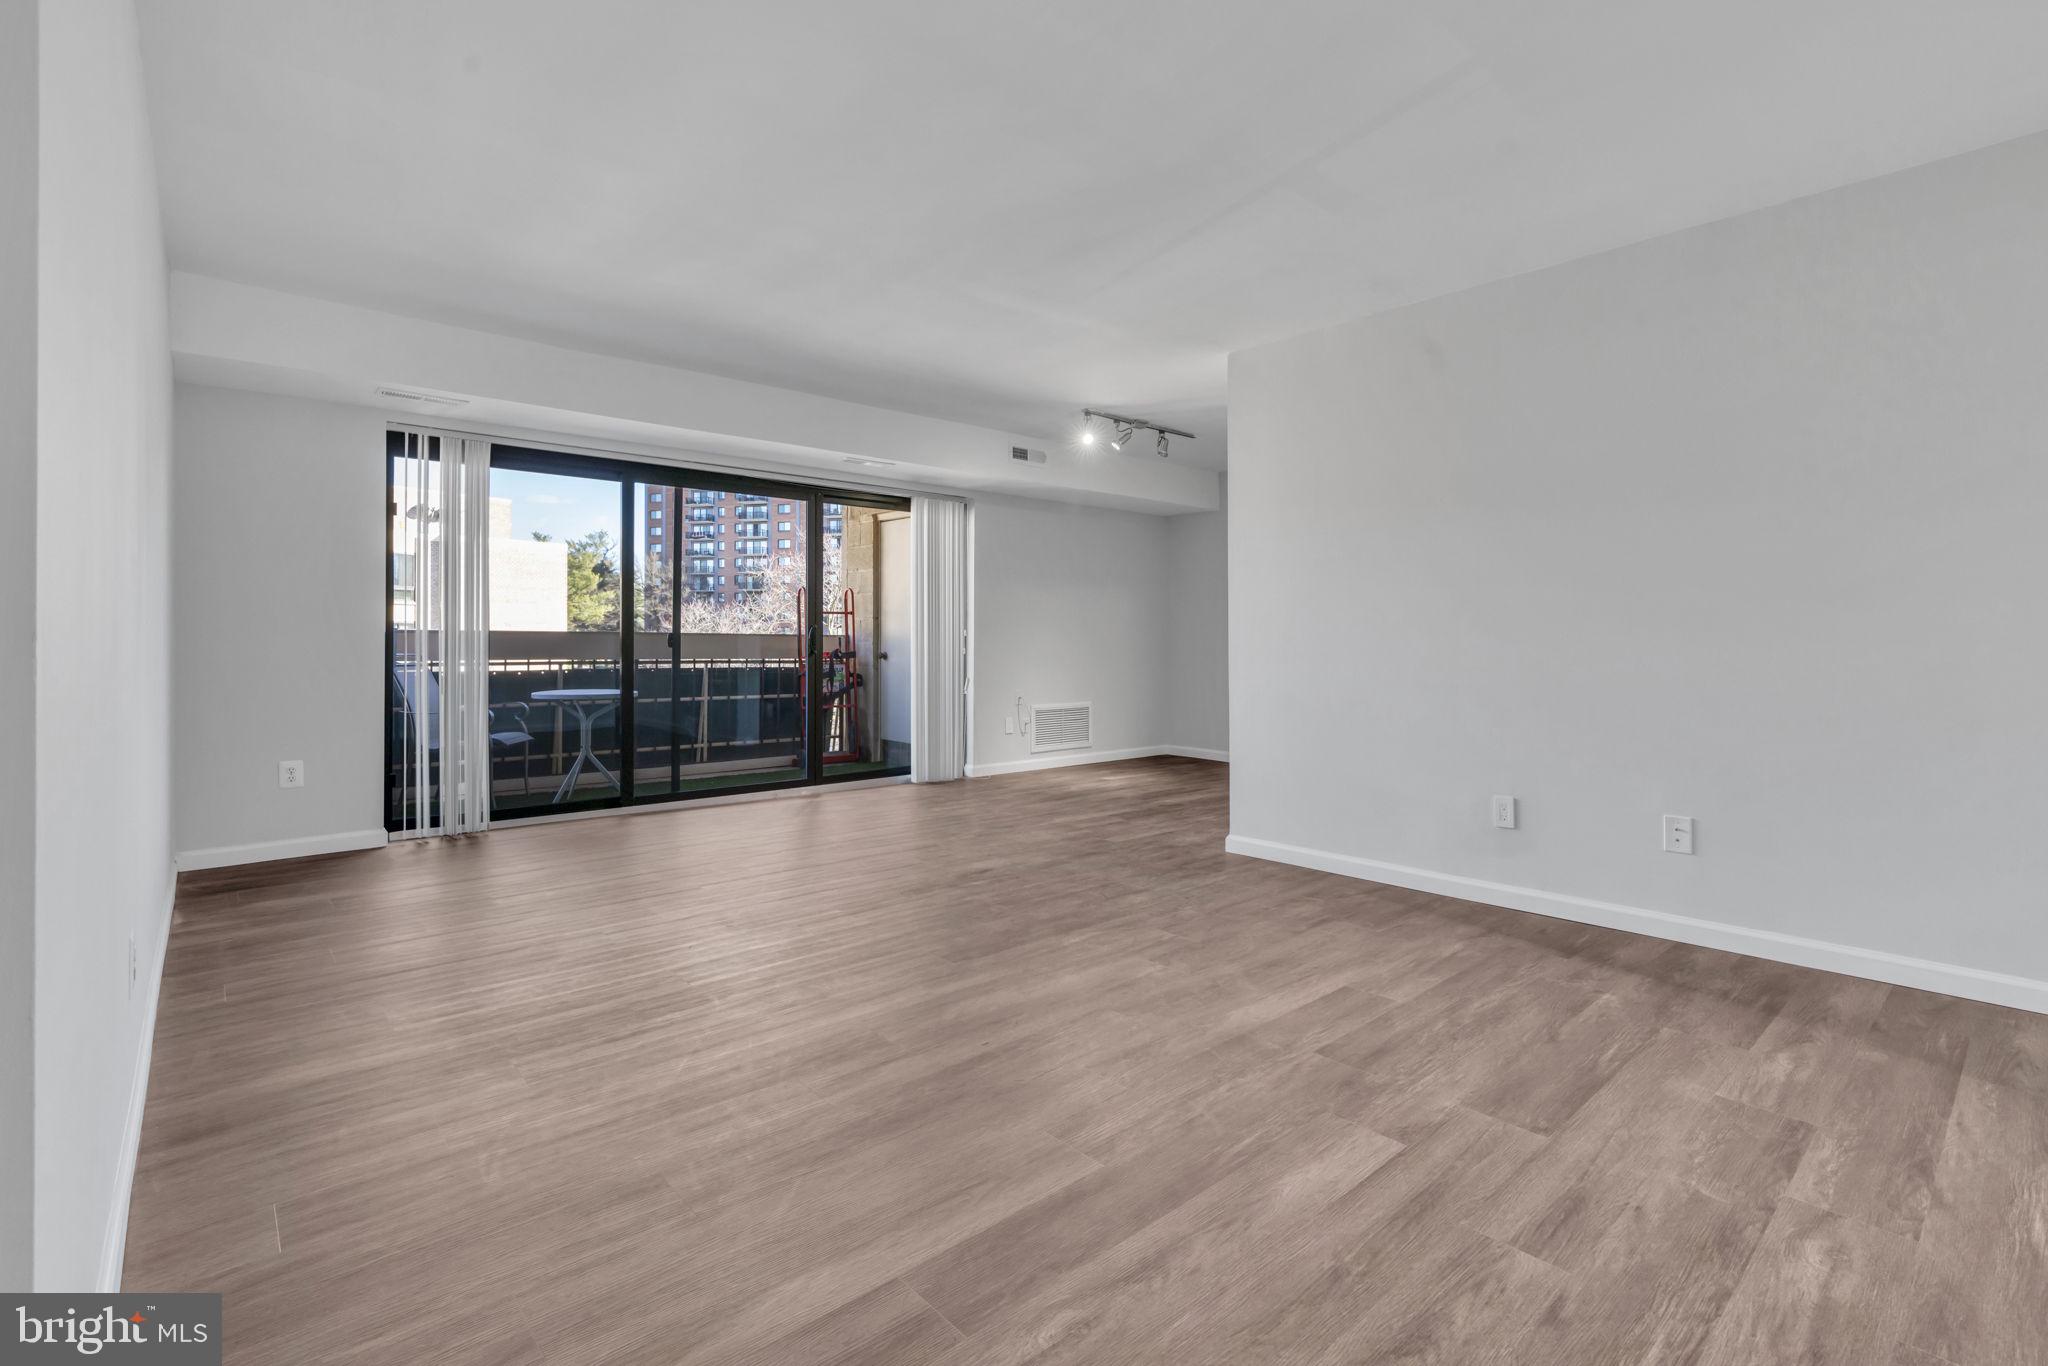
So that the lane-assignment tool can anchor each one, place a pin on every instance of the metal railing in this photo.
(701, 715)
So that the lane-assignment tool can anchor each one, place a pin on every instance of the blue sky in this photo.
(559, 505)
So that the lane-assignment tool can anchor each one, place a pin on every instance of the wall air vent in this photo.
(1026, 455)
(1066, 726)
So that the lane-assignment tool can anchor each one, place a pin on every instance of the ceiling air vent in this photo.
(1065, 726)
(1026, 455)
(416, 396)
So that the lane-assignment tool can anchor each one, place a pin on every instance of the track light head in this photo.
(1122, 429)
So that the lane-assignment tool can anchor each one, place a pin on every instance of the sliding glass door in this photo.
(721, 659)
(557, 567)
(658, 633)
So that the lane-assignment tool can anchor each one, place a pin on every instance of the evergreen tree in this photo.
(593, 583)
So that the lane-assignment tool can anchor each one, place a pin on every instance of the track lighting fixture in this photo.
(1124, 428)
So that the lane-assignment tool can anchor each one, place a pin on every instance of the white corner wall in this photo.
(279, 639)
(1198, 631)
(1744, 523)
(18, 125)
(102, 718)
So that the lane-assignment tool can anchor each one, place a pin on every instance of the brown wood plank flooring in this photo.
(1027, 1070)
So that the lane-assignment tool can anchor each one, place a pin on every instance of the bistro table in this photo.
(590, 706)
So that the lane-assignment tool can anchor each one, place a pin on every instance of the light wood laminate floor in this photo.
(1027, 1069)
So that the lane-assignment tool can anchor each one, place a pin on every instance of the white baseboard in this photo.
(1094, 756)
(114, 1243)
(1951, 979)
(1066, 760)
(228, 855)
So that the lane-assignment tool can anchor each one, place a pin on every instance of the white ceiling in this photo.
(1002, 212)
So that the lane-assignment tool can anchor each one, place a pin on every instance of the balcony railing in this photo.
(730, 705)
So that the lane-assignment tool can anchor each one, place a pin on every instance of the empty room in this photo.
(888, 683)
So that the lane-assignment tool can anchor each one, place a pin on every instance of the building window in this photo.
(783, 544)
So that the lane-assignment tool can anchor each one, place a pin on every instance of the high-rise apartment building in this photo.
(726, 541)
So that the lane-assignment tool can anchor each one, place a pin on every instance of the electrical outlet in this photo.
(134, 966)
(1678, 834)
(1009, 725)
(1504, 812)
(291, 773)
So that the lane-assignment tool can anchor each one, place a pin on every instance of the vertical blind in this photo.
(415, 622)
(440, 663)
(938, 700)
(466, 638)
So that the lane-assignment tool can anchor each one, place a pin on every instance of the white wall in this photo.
(102, 861)
(18, 123)
(1068, 606)
(279, 639)
(1745, 523)
(1198, 631)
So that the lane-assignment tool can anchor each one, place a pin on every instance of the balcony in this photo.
(722, 711)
